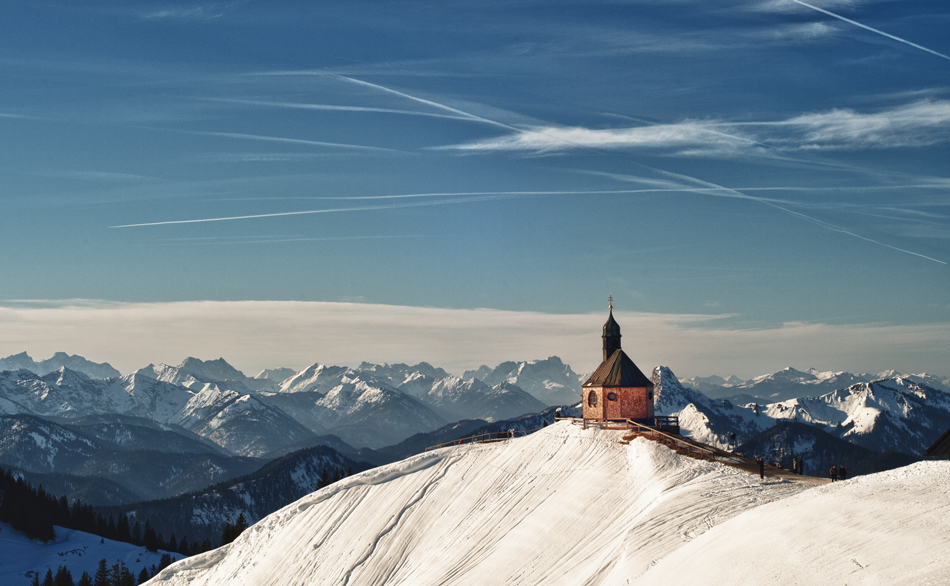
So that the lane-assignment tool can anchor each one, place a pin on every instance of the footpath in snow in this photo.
(573, 506)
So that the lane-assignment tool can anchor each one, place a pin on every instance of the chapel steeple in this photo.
(617, 390)
(611, 333)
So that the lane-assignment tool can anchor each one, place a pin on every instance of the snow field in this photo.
(882, 529)
(78, 551)
(562, 506)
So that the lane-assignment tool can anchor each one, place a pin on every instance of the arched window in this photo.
(592, 399)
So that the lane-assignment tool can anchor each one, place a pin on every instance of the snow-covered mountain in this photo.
(710, 421)
(364, 411)
(572, 506)
(276, 375)
(891, 414)
(317, 377)
(145, 462)
(57, 361)
(240, 423)
(790, 383)
(455, 399)
(397, 374)
(38, 445)
(550, 381)
(819, 451)
(203, 513)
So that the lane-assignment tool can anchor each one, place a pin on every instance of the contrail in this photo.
(311, 212)
(291, 140)
(873, 30)
(460, 197)
(456, 111)
(333, 107)
(270, 239)
(737, 194)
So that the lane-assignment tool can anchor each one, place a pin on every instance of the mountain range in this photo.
(204, 421)
(891, 414)
(790, 383)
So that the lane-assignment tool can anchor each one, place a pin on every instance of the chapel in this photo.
(617, 389)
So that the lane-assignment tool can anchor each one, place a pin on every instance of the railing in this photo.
(483, 438)
(663, 422)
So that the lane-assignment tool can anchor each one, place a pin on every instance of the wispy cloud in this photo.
(921, 123)
(254, 335)
(207, 11)
(659, 136)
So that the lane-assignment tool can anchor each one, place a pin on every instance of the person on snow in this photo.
(833, 472)
(842, 473)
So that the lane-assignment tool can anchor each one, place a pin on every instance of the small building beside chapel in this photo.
(617, 389)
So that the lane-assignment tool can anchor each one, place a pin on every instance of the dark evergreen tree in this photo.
(227, 533)
(102, 574)
(48, 580)
(240, 525)
(149, 539)
(184, 548)
(85, 580)
(63, 577)
(165, 561)
(25, 509)
(62, 517)
(137, 534)
(36, 579)
(120, 575)
(144, 575)
(123, 531)
(172, 544)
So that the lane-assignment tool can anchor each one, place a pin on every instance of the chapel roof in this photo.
(618, 371)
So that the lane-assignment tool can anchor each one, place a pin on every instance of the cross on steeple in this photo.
(610, 299)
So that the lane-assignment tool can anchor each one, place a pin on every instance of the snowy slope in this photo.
(562, 506)
(78, 551)
(887, 528)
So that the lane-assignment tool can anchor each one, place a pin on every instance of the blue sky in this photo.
(734, 166)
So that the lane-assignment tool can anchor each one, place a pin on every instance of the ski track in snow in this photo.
(562, 506)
